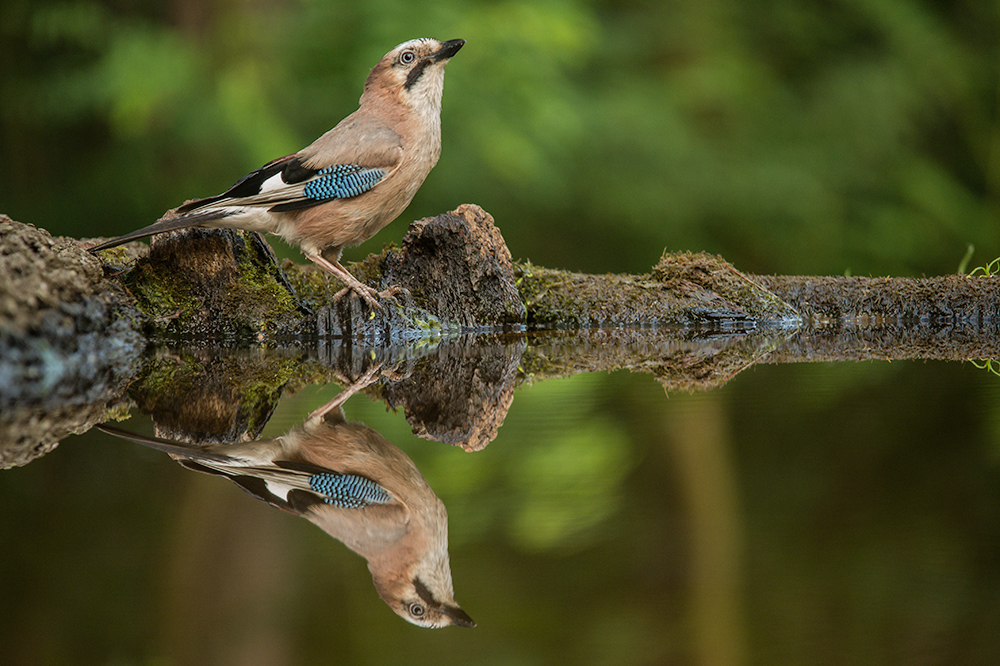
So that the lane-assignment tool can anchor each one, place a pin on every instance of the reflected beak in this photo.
(458, 617)
(447, 50)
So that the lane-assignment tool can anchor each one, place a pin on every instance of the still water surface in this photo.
(807, 513)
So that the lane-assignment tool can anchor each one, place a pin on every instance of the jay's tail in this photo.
(160, 226)
(173, 448)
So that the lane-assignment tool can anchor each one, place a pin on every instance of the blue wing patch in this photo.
(348, 491)
(342, 181)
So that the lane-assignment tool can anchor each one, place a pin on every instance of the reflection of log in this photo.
(461, 394)
(457, 390)
(681, 360)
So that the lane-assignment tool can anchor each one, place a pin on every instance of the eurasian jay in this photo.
(343, 188)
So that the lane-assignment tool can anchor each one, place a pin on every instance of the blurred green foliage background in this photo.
(789, 136)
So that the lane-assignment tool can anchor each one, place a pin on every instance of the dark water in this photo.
(802, 513)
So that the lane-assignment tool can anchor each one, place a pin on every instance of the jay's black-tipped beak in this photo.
(457, 616)
(448, 49)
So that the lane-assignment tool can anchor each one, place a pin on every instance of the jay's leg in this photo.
(353, 284)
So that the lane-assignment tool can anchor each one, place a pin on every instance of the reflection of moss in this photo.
(261, 381)
(680, 358)
(217, 396)
(169, 377)
(309, 372)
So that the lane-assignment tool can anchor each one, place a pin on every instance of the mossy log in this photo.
(64, 312)
(455, 274)
(454, 270)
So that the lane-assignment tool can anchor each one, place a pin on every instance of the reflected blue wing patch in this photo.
(348, 491)
(342, 181)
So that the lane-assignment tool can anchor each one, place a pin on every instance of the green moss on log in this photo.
(682, 289)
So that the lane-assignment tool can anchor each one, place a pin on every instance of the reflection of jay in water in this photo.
(356, 486)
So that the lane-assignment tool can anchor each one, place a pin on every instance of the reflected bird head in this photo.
(415, 601)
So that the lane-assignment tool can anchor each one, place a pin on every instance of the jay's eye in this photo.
(416, 610)
(406, 57)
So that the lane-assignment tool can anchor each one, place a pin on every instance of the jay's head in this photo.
(414, 577)
(413, 72)
(428, 604)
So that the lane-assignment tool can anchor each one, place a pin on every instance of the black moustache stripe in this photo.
(416, 73)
